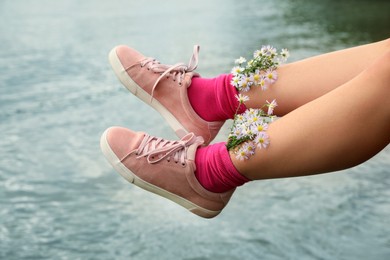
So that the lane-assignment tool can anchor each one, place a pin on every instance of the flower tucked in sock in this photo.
(217, 99)
(214, 99)
(215, 170)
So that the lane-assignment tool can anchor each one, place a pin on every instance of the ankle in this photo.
(214, 99)
(215, 170)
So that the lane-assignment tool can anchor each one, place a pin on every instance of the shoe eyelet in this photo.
(183, 165)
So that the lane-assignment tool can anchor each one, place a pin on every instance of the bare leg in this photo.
(303, 81)
(341, 129)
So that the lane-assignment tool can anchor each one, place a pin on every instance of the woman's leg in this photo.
(341, 129)
(194, 104)
(338, 130)
(303, 81)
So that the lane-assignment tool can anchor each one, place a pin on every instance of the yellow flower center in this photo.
(262, 82)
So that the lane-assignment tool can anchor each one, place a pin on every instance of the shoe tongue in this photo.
(188, 78)
(191, 152)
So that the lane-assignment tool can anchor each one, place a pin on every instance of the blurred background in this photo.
(60, 199)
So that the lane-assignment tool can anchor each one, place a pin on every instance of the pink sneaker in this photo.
(164, 87)
(163, 167)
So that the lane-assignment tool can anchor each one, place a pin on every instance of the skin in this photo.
(339, 119)
(303, 81)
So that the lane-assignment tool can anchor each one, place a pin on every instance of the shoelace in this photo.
(177, 71)
(156, 149)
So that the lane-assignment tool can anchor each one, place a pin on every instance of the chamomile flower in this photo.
(257, 53)
(242, 98)
(262, 140)
(271, 106)
(236, 133)
(241, 130)
(249, 113)
(263, 83)
(271, 75)
(237, 70)
(285, 54)
(268, 51)
(235, 81)
(254, 119)
(260, 127)
(256, 77)
(244, 84)
(242, 154)
(240, 60)
(248, 131)
(249, 147)
(239, 118)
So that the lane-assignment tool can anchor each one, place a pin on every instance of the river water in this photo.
(60, 199)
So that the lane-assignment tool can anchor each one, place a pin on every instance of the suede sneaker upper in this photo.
(164, 87)
(164, 167)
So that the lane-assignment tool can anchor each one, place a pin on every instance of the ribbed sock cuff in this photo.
(215, 170)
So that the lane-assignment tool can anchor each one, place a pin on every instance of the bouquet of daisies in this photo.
(249, 129)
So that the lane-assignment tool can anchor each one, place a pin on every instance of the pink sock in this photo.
(215, 170)
(214, 99)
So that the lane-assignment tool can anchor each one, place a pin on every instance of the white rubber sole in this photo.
(136, 90)
(132, 178)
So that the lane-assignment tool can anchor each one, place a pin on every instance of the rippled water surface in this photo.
(60, 199)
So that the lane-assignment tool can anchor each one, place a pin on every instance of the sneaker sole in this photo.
(136, 90)
(134, 179)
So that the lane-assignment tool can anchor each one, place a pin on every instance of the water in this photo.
(59, 198)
